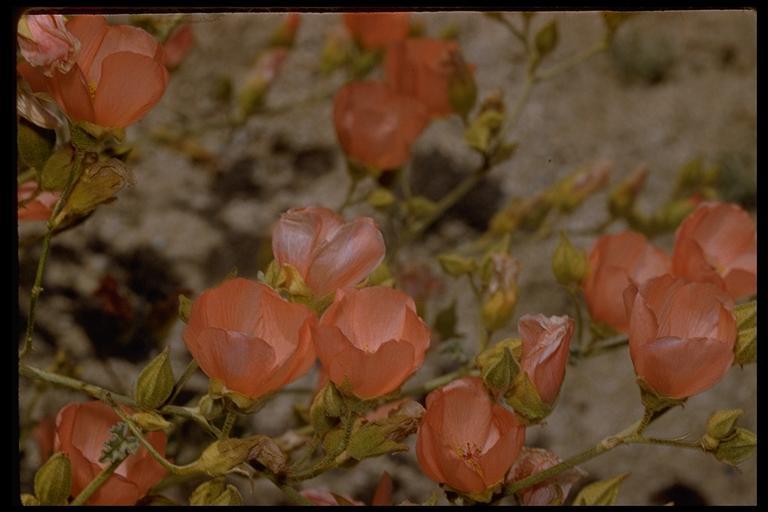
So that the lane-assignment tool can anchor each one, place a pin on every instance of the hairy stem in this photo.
(37, 287)
(97, 482)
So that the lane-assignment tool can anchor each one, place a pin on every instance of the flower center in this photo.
(470, 455)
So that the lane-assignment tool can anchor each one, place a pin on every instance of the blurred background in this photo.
(674, 86)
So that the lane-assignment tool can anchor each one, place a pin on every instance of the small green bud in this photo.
(498, 377)
(462, 90)
(483, 130)
(737, 448)
(99, 184)
(745, 349)
(546, 39)
(498, 309)
(185, 308)
(381, 198)
(603, 492)
(569, 264)
(210, 407)
(150, 421)
(709, 443)
(621, 199)
(155, 382)
(223, 455)
(456, 265)
(721, 423)
(746, 315)
(53, 481)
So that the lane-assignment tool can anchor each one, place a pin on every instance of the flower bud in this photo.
(483, 130)
(569, 264)
(523, 397)
(53, 481)
(722, 423)
(745, 349)
(99, 184)
(498, 309)
(215, 492)
(746, 315)
(223, 455)
(27, 500)
(498, 377)
(456, 265)
(492, 355)
(737, 448)
(381, 197)
(621, 200)
(155, 382)
(150, 421)
(462, 90)
(574, 189)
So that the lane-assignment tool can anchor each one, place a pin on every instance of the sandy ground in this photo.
(676, 85)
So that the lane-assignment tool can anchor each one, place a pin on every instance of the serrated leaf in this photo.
(603, 492)
(120, 444)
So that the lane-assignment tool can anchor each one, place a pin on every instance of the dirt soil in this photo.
(676, 85)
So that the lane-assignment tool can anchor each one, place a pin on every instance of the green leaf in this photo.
(603, 492)
(120, 444)
(34, 148)
(56, 170)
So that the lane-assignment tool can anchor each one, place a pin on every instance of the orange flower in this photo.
(81, 430)
(546, 342)
(377, 30)
(375, 125)
(371, 338)
(614, 263)
(46, 43)
(681, 334)
(423, 69)
(465, 440)
(327, 252)
(118, 78)
(177, 46)
(717, 244)
(248, 337)
(553, 491)
(39, 208)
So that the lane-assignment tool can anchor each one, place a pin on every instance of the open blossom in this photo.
(178, 45)
(549, 492)
(46, 43)
(327, 252)
(717, 244)
(371, 338)
(465, 440)
(245, 335)
(39, 208)
(546, 343)
(375, 125)
(81, 430)
(681, 334)
(377, 30)
(615, 262)
(118, 78)
(423, 69)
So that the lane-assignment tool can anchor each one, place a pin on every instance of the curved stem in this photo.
(97, 482)
(37, 287)
(438, 382)
(573, 60)
(188, 372)
(229, 422)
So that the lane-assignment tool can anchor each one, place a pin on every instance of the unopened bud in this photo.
(569, 264)
(621, 200)
(746, 315)
(53, 481)
(99, 184)
(737, 448)
(546, 39)
(574, 189)
(150, 421)
(745, 349)
(498, 309)
(462, 90)
(223, 455)
(381, 197)
(210, 407)
(709, 443)
(498, 377)
(722, 423)
(456, 265)
(155, 382)
(483, 130)
(525, 400)
(215, 492)
(28, 500)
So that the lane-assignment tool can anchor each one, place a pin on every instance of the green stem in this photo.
(188, 372)
(101, 394)
(97, 482)
(229, 422)
(614, 343)
(37, 287)
(573, 60)
(439, 382)
(579, 321)
(666, 442)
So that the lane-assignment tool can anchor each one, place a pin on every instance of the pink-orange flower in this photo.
(377, 30)
(615, 262)
(39, 208)
(546, 343)
(681, 334)
(45, 433)
(549, 492)
(118, 78)
(372, 339)
(465, 440)
(245, 335)
(81, 430)
(423, 69)
(375, 125)
(717, 244)
(327, 252)
(178, 45)
(46, 43)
